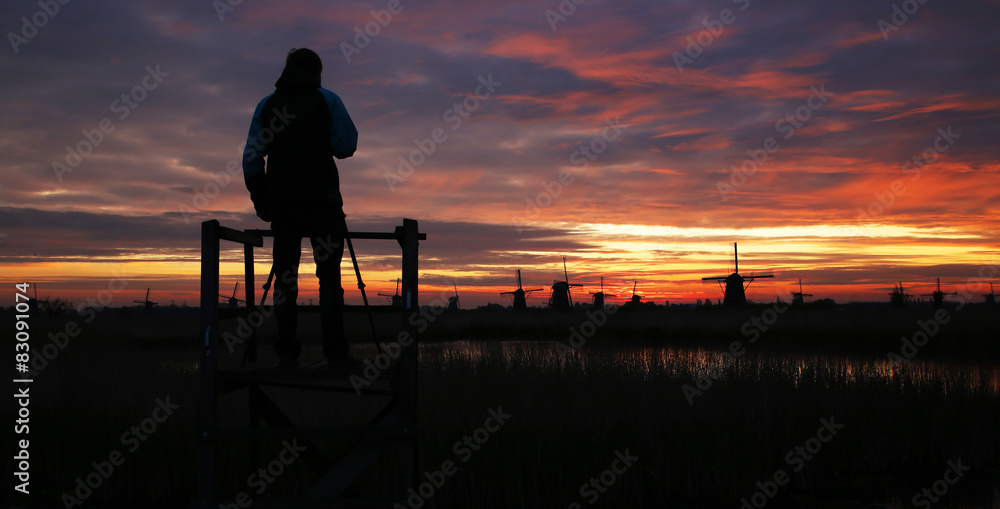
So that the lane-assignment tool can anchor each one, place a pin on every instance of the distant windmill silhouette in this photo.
(33, 301)
(636, 299)
(232, 302)
(735, 292)
(147, 306)
(797, 298)
(991, 298)
(938, 295)
(396, 300)
(560, 299)
(599, 296)
(519, 296)
(453, 301)
(898, 297)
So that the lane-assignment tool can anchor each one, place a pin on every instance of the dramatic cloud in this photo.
(840, 143)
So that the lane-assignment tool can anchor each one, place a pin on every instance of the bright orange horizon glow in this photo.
(660, 279)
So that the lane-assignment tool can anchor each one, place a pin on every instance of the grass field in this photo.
(618, 394)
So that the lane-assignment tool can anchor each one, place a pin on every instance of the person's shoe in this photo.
(344, 363)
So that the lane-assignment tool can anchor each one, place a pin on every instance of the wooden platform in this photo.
(391, 392)
(316, 376)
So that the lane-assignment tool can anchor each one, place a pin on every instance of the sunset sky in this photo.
(879, 121)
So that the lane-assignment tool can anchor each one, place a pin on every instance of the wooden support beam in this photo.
(287, 374)
(240, 237)
(208, 360)
(322, 388)
(411, 303)
(292, 431)
(269, 412)
(354, 235)
(248, 288)
(406, 382)
(361, 503)
(268, 309)
(358, 457)
(393, 431)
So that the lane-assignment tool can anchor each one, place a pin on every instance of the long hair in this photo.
(305, 59)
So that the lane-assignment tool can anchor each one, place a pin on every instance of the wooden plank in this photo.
(357, 459)
(380, 389)
(229, 313)
(380, 432)
(353, 503)
(241, 237)
(263, 375)
(376, 308)
(325, 388)
(269, 412)
(354, 235)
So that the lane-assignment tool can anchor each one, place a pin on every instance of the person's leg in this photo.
(328, 251)
(287, 252)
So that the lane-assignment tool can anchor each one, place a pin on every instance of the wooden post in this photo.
(209, 359)
(407, 388)
(411, 303)
(248, 287)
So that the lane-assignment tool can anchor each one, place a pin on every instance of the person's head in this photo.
(304, 59)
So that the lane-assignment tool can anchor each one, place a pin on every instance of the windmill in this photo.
(797, 298)
(453, 301)
(519, 296)
(599, 296)
(33, 302)
(560, 298)
(232, 302)
(735, 291)
(636, 299)
(395, 300)
(990, 297)
(147, 306)
(938, 295)
(898, 297)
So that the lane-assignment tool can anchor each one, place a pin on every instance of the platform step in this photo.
(278, 433)
(314, 370)
(227, 313)
(361, 503)
(316, 376)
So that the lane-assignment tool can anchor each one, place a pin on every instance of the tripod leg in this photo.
(250, 355)
(361, 284)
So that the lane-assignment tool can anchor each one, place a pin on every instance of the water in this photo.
(673, 361)
(904, 401)
(898, 408)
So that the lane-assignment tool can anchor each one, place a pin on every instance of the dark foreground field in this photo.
(811, 414)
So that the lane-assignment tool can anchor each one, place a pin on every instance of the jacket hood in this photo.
(295, 78)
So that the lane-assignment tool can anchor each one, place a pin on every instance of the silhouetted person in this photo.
(301, 127)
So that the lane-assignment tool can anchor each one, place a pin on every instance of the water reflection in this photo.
(652, 362)
(669, 361)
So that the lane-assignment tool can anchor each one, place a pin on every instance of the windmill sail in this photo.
(736, 284)
(519, 296)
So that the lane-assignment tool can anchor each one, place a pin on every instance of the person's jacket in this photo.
(301, 127)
